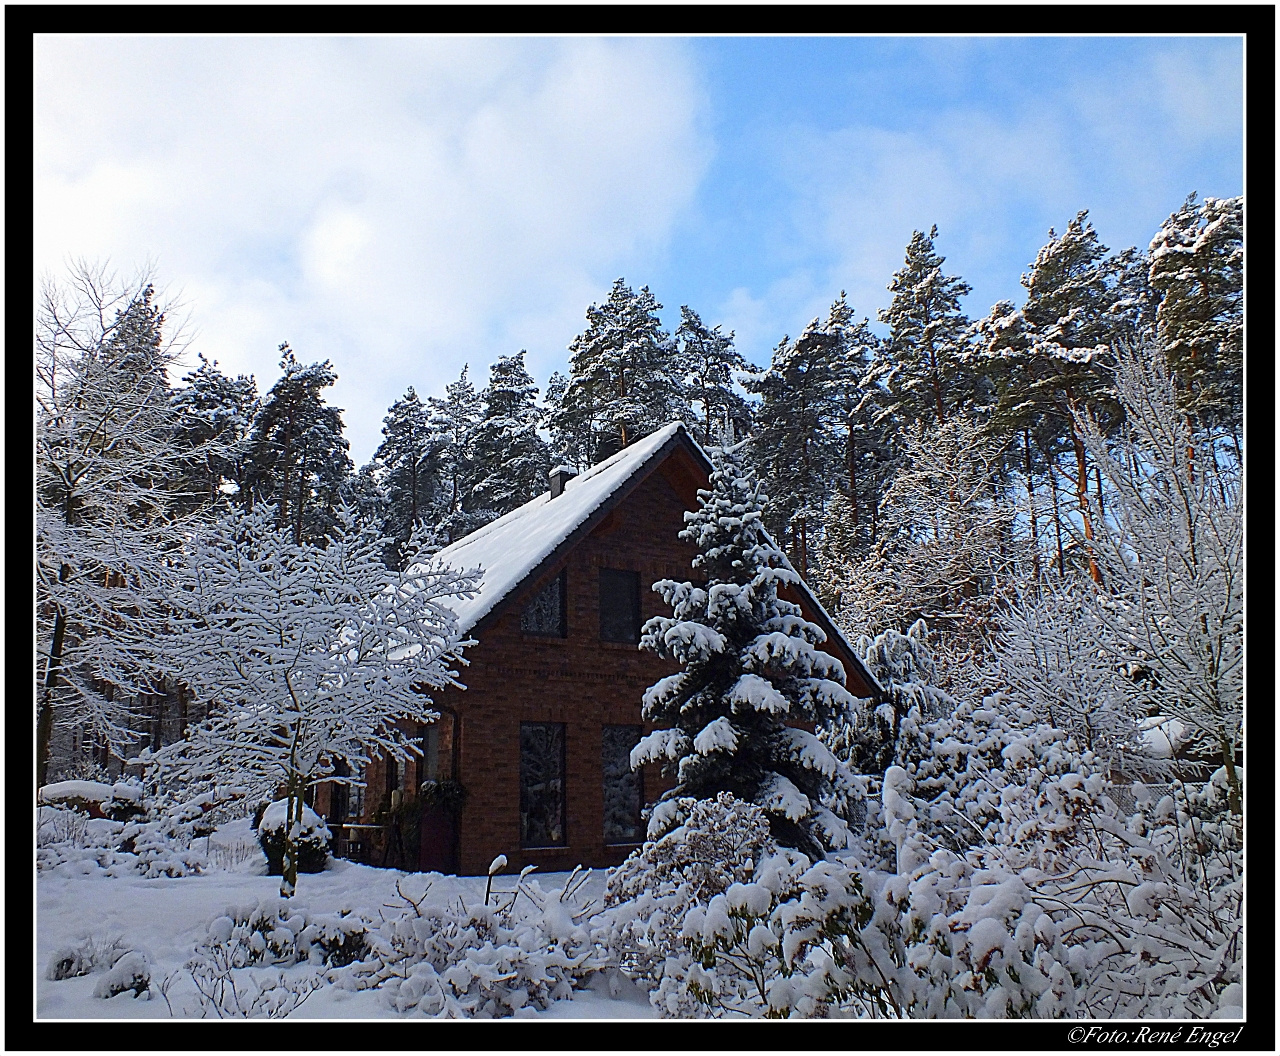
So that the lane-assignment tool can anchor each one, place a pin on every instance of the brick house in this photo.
(540, 737)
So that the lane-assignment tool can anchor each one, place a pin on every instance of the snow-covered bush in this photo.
(276, 932)
(92, 953)
(157, 843)
(996, 877)
(131, 972)
(311, 838)
(712, 844)
(230, 991)
(904, 666)
(160, 842)
(454, 960)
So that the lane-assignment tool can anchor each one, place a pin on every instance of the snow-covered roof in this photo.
(511, 547)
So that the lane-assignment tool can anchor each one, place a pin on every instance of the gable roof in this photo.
(524, 543)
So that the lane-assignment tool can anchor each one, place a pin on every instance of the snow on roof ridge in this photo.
(511, 547)
(666, 432)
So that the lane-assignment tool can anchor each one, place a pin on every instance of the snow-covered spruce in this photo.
(750, 667)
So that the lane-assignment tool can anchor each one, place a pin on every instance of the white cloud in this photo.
(398, 205)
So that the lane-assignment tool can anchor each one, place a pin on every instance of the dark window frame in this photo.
(527, 792)
(561, 583)
(617, 839)
(610, 618)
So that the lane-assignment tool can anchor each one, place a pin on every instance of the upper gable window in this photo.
(545, 613)
(619, 605)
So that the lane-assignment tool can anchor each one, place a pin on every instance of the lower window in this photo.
(623, 791)
(542, 804)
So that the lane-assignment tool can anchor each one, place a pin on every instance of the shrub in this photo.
(312, 842)
(93, 953)
(279, 932)
(130, 972)
(453, 960)
(711, 844)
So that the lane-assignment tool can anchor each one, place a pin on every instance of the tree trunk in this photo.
(851, 458)
(44, 721)
(1082, 499)
(1031, 506)
(1057, 519)
(1234, 798)
(293, 814)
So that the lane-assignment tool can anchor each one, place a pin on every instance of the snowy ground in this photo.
(166, 917)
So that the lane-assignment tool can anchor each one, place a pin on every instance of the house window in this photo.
(428, 740)
(542, 805)
(623, 791)
(619, 605)
(545, 614)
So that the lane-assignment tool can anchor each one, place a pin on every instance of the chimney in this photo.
(560, 476)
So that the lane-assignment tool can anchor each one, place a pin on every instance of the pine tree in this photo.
(1052, 357)
(453, 420)
(793, 443)
(511, 459)
(366, 493)
(859, 410)
(922, 366)
(1197, 268)
(215, 414)
(410, 469)
(299, 455)
(710, 364)
(620, 384)
(750, 667)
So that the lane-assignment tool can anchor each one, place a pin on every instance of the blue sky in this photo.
(404, 205)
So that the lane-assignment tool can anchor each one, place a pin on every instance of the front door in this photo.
(437, 840)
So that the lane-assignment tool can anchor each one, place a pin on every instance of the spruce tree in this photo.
(709, 363)
(922, 366)
(750, 667)
(620, 384)
(299, 456)
(511, 459)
